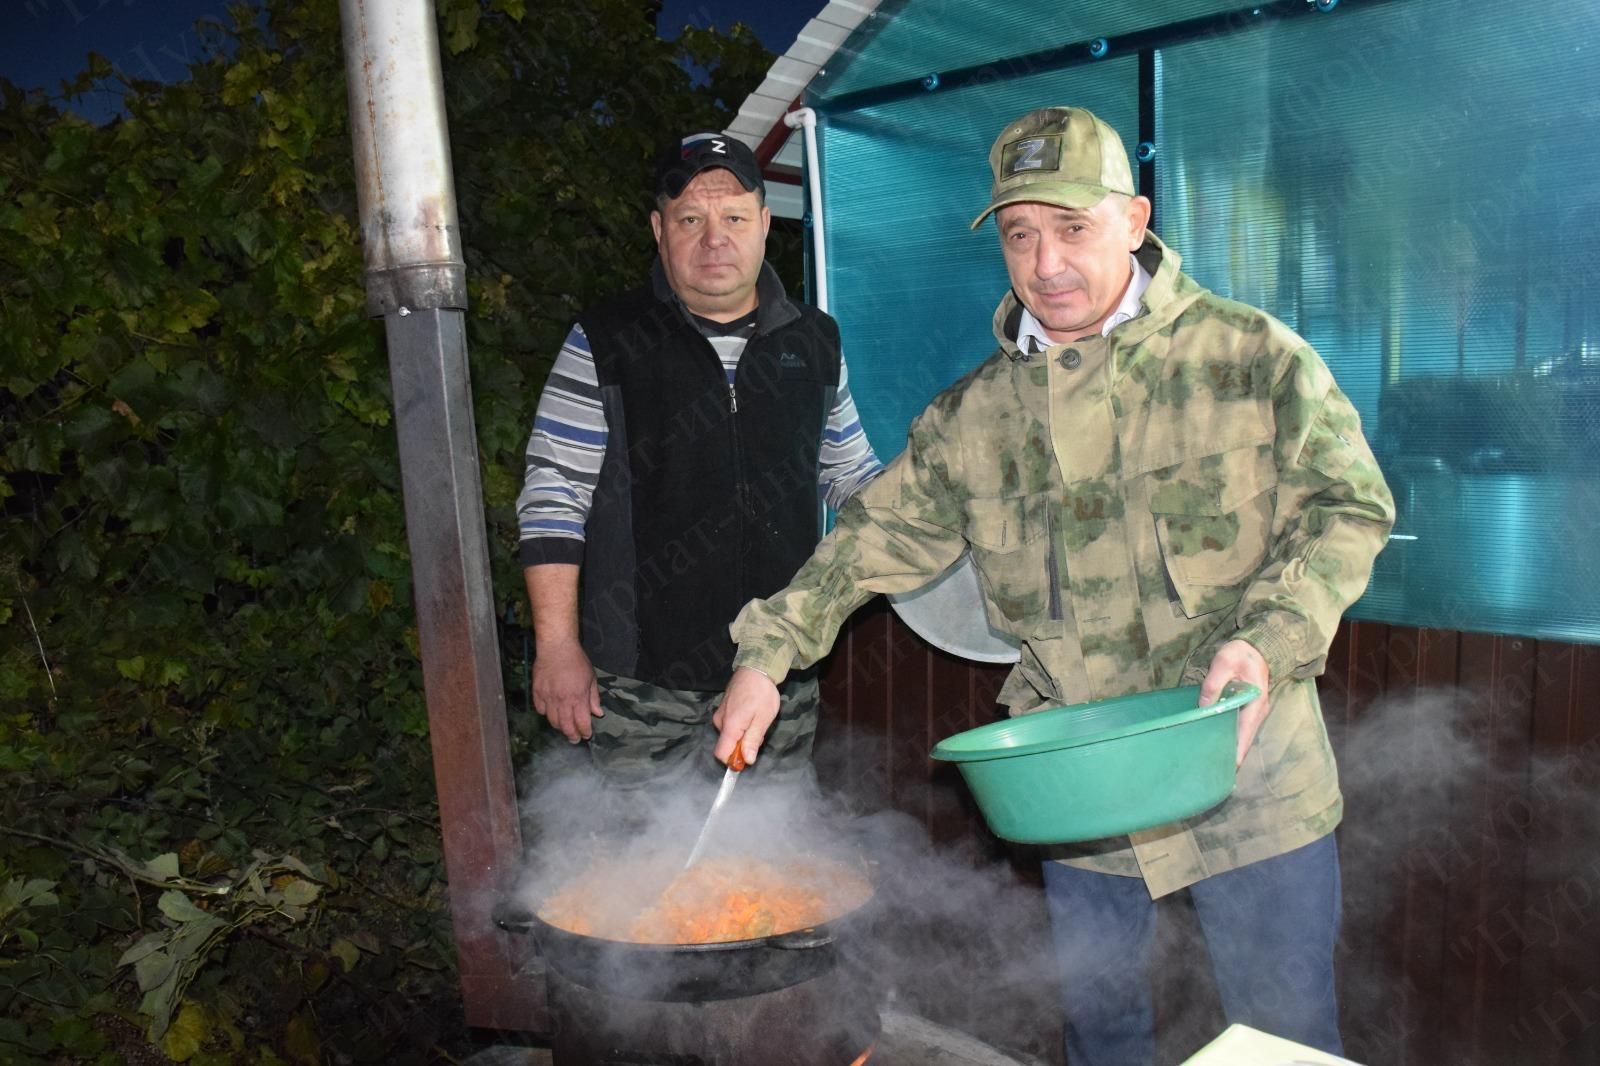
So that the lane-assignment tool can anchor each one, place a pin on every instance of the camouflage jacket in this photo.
(1132, 502)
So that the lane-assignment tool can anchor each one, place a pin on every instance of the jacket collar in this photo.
(774, 309)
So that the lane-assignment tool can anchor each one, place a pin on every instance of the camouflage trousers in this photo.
(652, 735)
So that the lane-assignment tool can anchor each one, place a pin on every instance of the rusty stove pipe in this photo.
(410, 237)
(416, 281)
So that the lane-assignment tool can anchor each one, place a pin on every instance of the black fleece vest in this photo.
(707, 496)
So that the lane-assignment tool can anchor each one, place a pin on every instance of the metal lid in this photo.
(948, 613)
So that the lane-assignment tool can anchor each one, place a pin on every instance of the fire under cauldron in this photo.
(790, 999)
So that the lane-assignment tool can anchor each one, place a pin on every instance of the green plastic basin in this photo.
(1101, 769)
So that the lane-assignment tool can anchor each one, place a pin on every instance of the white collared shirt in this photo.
(1031, 337)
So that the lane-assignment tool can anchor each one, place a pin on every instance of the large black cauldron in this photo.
(690, 972)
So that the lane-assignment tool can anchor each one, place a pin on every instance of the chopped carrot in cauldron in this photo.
(717, 899)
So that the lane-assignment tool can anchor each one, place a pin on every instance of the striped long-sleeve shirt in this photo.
(569, 434)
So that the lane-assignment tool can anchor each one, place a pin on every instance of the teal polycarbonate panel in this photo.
(913, 288)
(914, 38)
(1415, 187)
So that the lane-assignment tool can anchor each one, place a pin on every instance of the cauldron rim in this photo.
(517, 918)
(725, 969)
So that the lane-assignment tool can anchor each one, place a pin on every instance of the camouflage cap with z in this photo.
(1057, 155)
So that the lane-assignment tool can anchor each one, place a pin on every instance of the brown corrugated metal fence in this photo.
(1470, 846)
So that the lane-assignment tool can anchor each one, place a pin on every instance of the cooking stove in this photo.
(829, 1020)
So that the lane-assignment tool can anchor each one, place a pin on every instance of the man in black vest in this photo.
(674, 471)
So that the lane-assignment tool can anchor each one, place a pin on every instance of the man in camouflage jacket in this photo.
(1158, 487)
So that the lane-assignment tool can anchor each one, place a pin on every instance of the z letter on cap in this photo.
(1031, 153)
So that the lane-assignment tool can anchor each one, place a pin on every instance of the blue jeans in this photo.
(1270, 928)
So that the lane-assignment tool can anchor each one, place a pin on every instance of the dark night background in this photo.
(46, 41)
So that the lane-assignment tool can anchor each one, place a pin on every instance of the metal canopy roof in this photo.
(856, 47)
(762, 112)
(760, 120)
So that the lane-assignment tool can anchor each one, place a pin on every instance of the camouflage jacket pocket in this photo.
(1011, 546)
(1213, 517)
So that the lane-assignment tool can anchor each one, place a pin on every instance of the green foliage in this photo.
(166, 960)
(219, 828)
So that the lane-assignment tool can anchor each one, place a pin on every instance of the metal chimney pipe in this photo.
(416, 280)
(410, 236)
